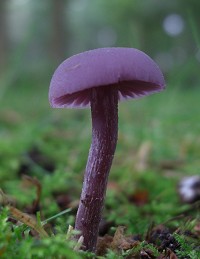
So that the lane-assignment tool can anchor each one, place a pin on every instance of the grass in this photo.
(158, 145)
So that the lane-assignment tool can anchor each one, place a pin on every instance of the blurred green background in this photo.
(37, 35)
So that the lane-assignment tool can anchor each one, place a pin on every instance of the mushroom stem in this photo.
(104, 112)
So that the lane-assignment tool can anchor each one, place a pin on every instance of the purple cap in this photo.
(130, 70)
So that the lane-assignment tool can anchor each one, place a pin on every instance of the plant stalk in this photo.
(104, 112)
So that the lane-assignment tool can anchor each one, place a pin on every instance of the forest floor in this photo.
(43, 153)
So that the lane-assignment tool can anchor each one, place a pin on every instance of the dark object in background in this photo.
(35, 159)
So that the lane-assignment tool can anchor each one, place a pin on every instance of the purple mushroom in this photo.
(99, 79)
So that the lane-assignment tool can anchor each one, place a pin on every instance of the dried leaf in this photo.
(5, 199)
(27, 220)
(120, 242)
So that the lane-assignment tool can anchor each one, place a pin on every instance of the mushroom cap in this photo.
(130, 70)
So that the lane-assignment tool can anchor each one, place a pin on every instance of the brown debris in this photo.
(28, 220)
(118, 243)
(162, 238)
(139, 197)
(169, 254)
(22, 217)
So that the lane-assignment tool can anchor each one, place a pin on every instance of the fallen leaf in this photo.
(27, 220)
(121, 242)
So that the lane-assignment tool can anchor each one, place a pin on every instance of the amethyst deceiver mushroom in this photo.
(100, 78)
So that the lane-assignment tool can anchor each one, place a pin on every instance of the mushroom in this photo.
(100, 78)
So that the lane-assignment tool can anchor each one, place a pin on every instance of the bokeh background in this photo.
(37, 35)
